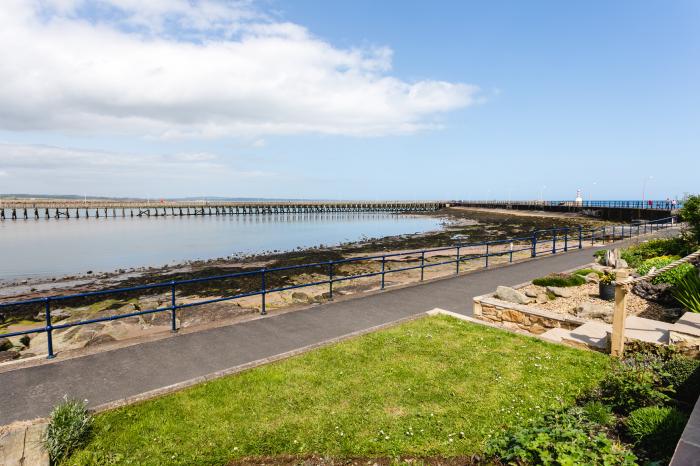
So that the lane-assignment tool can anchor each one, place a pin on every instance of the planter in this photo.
(607, 291)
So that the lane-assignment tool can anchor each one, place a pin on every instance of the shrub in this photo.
(584, 272)
(683, 374)
(690, 213)
(562, 280)
(656, 428)
(558, 438)
(637, 254)
(687, 291)
(69, 428)
(25, 341)
(672, 276)
(635, 382)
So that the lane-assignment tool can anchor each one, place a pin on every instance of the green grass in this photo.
(435, 386)
(584, 272)
(560, 280)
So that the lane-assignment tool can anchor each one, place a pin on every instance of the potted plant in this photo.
(606, 286)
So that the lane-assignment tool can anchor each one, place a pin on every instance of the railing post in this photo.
(617, 340)
(49, 329)
(511, 252)
(554, 241)
(457, 268)
(383, 268)
(263, 309)
(580, 236)
(487, 256)
(330, 279)
(173, 308)
(422, 264)
(566, 239)
(534, 244)
(613, 233)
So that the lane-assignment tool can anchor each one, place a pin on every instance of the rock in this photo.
(542, 298)
(610, 257)
(593, 311)
(8, 356)
(531, 294)
(511, 295)
(5, 344)
(600, 268)
(660, 293)
(560, 292)
(621, 264)
(299, 296)
(56, 315)
(592, 278)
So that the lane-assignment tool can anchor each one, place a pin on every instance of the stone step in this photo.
(650, 331)
(589, 335)
(689, 323)
(555, 334)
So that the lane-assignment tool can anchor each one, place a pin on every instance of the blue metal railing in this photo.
(630, 204)
(554, 240)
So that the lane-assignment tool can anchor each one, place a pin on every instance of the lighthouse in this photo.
(579, 199)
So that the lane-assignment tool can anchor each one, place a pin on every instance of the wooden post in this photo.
(617, 344)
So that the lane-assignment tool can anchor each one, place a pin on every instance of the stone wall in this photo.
(515, 316)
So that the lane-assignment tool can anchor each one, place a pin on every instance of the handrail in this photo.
(561, 238)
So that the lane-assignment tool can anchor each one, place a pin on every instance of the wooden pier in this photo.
(28, 209)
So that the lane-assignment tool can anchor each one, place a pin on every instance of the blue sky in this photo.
(356, 99)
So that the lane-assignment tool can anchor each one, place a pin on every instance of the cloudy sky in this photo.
(350, 99)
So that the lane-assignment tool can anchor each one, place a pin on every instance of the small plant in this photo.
(584, 272)
(25, 341)
(560, 280)
(559, 438)
(69, 428)
(656, 428)
(690, 213)
(683, 374)
(599, 413)
(634, 383)
(672, 276)
(608, 278)
(687, 291)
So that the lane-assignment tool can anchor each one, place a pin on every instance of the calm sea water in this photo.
(34, 248)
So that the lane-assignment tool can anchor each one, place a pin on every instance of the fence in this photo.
(631, 204)
(540, 242)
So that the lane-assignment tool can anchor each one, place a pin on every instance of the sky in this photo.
(353, 99)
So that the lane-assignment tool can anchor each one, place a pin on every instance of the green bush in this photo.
(683, 374)
(637, 254)
(584, 272)
(656, 428)
(687, 291)
(561, 279)
(560, 438)
(672, 277)
(69, 428)
(690, 213)
(635, 382)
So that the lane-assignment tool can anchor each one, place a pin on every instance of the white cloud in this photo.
(50, 169)
(179, 68)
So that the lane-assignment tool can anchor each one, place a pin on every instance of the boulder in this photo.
(559, 291)
(531, 294)
(5, 344)
(621, 264)
(542, 298)
(610, 257)
(594, 311)
(660, 293)
(299, 296)
(511, 295)
(592, 278)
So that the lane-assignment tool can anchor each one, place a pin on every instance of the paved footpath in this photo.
(105, 377)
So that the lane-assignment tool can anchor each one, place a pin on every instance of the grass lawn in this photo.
(436, 386)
